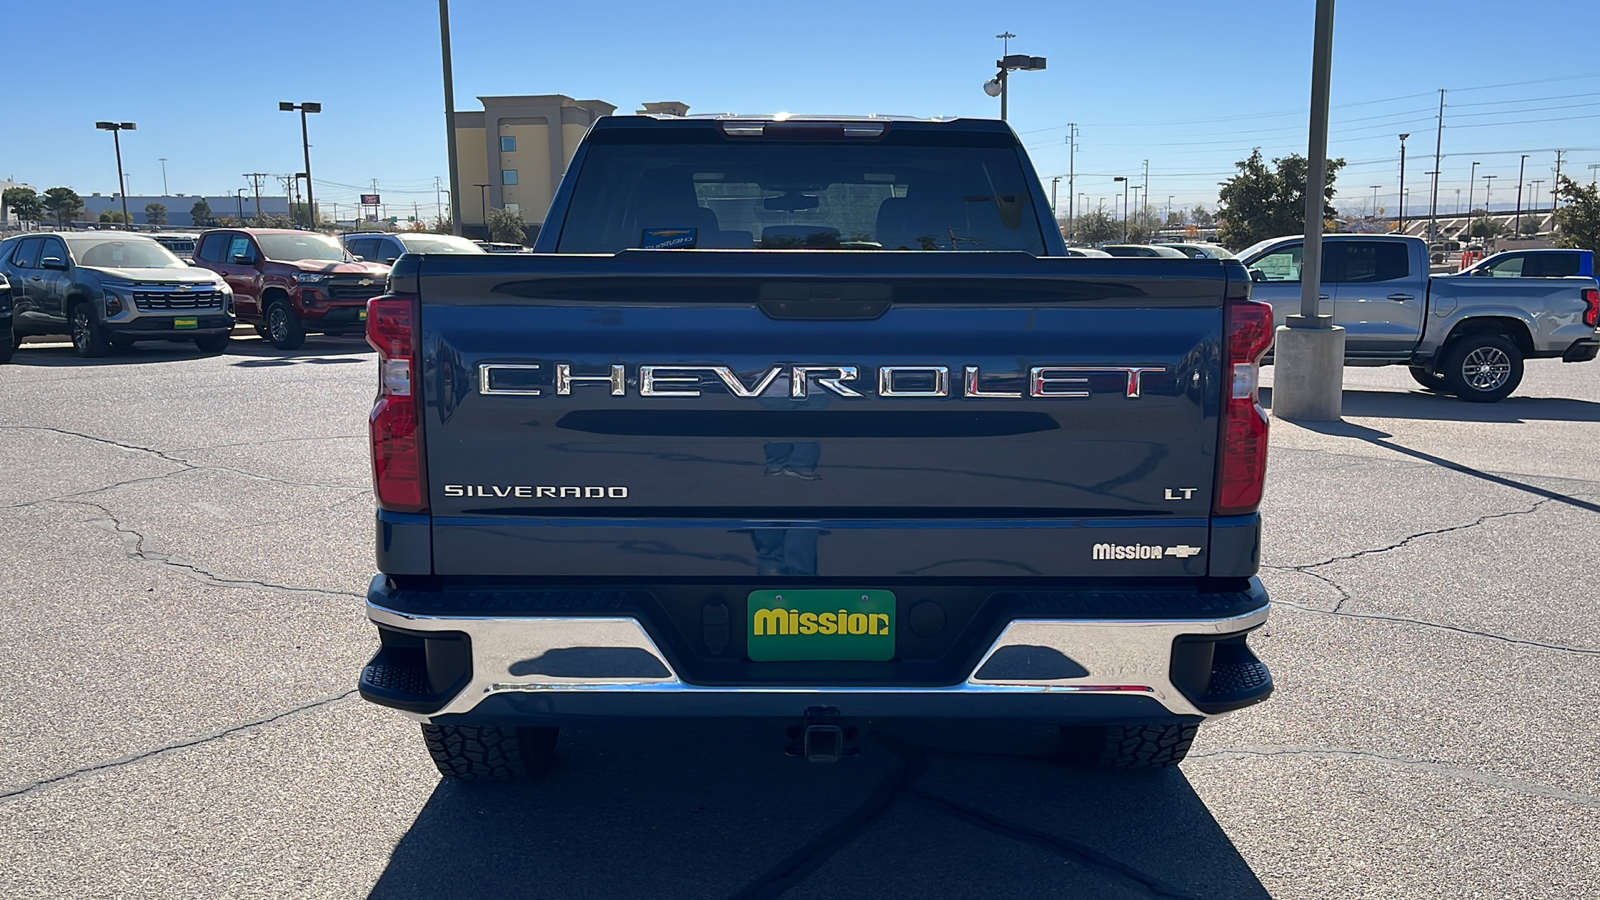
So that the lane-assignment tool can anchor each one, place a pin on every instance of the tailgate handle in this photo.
(835, 300)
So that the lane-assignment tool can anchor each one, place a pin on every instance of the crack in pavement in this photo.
(1402, 620)
(1516, 785)
(30, 787)
(1487, 517)
(133, 545)
(1072, 851)
(797, 866)
(185, 465)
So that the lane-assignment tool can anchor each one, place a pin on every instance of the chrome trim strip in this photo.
(1121, 656)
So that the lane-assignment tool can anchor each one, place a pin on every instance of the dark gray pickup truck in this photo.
(813, 420)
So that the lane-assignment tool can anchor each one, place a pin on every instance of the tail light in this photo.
(1591, 307)
(1242, 455)
(398, 474)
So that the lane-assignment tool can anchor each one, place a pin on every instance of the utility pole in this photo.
(1592, 168)
(255, 179)
(450, 116)
(1438, 145)
(1145, 209)
(1054, 180)
(438, 208)
(1124, 180)
(163, 176)
(1556, 199)
(1516, 230)
(1374, 199)
(1535, 192)
(1072, 173)
(1488, 191)
(1402, 183)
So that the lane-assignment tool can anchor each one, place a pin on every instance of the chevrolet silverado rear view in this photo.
(813, 420)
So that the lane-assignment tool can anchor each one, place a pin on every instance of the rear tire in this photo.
(1428, 378)
(489, 752)
(1129, 747)
(88, 338)
(213, 343)
(284, 328)
(1482, 367)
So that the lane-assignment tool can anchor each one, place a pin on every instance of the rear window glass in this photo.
(1361, 261)
(779, 195)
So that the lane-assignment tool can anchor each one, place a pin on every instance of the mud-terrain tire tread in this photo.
(1130, 747)
(488, 752)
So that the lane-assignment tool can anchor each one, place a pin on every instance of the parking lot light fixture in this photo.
(1403, 182)
(305, 143)
(116, 129)
(1008, 63)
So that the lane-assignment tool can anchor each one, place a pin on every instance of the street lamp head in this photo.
(992, 87)
(311, 107)
(1404, 136)
(105, 126)
(1119, 178)
(127, 126)
(285, 107)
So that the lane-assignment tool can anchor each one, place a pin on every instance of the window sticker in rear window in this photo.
(668, 238)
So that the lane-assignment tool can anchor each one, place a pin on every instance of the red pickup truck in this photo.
(291, 283)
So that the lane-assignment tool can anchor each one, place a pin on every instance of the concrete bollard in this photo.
(1308, 374)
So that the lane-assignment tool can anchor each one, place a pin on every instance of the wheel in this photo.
(213, 343)
(1428, 378)
(284, 328)
(1483, 367)
(88, 338)
(8, 344)
(489, 752)
(1129, 747)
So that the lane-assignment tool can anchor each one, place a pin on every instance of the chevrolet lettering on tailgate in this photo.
(931, 381)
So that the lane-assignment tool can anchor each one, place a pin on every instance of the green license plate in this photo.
(185, 323)
(363, 314)
(799, 625)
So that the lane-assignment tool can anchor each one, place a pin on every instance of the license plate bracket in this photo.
(838, 624)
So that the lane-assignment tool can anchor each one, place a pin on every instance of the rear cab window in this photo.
(26, 256)
(1366, 261)
(211, 247)
(643, 188)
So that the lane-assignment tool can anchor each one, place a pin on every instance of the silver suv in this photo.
(382, 247)
(110, 289)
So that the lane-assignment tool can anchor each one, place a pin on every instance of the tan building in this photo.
(513, 153)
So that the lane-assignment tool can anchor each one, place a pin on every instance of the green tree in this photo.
(1269, 201)
(440, 225)
(200, 212)
(63, 203)
(1177, 217)
(155, 213)
(1578, 223)
(1200, 217)
(1485, 227)
(112, 216)
(507, 226)
(1097, 227)
(1529, 225)
(24, 201)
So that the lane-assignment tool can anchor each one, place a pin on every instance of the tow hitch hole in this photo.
(824, 743)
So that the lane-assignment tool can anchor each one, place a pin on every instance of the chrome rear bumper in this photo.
(557, 665)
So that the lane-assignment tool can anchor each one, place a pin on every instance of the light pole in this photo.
(116, 129)
(1374, 199)
(239, 195)
(1516, 230)
(1488, 205)
(1008, 63)
(1403, 182)
(163, 176)
(1136, 189)
(305, 142)
(1458, 201)
(483, 203)
(1472, 182)
(1534, 194)
(1124, 180)
(1169, 209)
(1054, 180)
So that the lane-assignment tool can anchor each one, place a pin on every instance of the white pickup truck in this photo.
(1462, 335)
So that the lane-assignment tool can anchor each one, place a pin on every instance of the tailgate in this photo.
(849, 414)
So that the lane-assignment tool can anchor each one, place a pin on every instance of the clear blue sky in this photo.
(1189, 86)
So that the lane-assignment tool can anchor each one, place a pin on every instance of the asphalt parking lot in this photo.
(187, 549)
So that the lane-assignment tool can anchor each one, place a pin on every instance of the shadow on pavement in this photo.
(1385, 440)
(714, 809)
(1420, 404)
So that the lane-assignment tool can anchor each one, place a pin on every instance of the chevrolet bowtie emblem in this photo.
(365, 282)
(185, 287)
